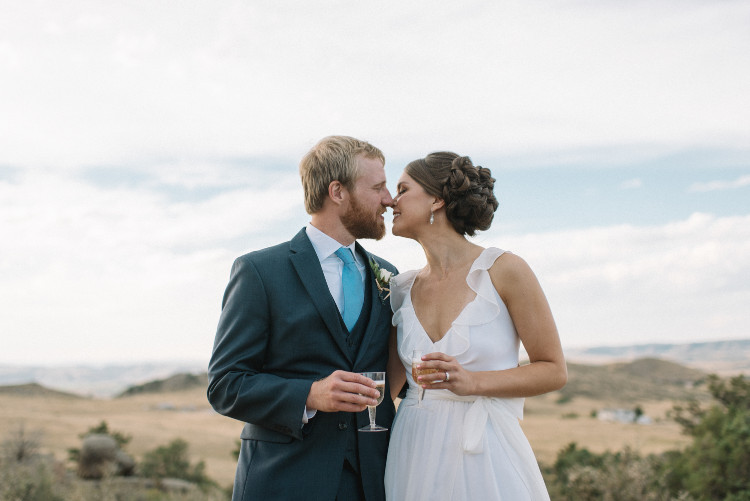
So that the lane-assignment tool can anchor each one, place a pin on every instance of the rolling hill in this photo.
(639, 380)
(103, 380)
(178, 382)
(35, 390)
(720, 357)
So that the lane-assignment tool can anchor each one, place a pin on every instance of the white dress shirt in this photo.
(333, 267)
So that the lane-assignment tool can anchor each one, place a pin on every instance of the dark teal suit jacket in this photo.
(280, 331)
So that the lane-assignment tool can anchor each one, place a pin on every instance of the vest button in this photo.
(343, 426)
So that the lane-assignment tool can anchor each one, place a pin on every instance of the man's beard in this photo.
(362, 223)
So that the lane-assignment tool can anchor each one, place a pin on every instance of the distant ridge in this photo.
(638, 380)
(720, 357)
(106, 380)
(178, 382)
(34, 390)
(98, 380)
(620, 383)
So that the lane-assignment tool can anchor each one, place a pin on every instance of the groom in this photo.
(299, 321)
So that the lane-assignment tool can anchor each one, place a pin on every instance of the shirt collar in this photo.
(323, 244)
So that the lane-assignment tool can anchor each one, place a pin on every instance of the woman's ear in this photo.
(439, 203)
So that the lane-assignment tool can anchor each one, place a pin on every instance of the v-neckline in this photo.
(450, 328)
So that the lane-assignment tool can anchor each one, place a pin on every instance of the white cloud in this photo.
(125, 273)
(104, 83)
(90, 90)
(740, 182)
(680, 282)
(631, 184)
(626, 284)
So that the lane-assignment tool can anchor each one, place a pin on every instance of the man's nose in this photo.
(388, 201)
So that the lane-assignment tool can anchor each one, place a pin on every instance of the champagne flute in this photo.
(416, 358)
(379, 378)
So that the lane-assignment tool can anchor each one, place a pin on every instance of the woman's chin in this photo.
(397, 231)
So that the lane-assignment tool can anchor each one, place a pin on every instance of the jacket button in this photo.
(343, 426)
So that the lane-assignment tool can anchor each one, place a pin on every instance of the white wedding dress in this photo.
(452, 447)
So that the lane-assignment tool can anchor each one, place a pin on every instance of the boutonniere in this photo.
(382, 280)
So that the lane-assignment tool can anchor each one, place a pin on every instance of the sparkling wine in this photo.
(380, 386)
(415, 373)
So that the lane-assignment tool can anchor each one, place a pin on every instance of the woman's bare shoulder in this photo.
(509, 271)
(509, 263)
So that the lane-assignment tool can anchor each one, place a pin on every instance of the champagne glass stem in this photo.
(371, 409)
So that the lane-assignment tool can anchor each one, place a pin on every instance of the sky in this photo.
(144, 145)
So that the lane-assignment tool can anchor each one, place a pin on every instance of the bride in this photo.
(466, 311)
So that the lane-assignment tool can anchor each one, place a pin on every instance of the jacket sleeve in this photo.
(237, 385)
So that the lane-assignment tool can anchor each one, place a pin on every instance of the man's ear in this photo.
(337, 192)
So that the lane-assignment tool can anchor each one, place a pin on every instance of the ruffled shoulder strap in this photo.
(487, 258)
(400, 286)
(479, 279)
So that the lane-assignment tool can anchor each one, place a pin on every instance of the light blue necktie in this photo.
(354, 295)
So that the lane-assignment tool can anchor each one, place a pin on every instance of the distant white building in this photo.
(622, 416)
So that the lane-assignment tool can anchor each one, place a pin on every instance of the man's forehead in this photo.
(363, 159)
(370, 167)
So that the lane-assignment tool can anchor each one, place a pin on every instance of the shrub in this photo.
(580, 475)
(20, 446)
(172, 461)
(32, 480)
(717, 464)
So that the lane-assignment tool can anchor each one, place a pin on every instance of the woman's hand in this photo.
(450, 374)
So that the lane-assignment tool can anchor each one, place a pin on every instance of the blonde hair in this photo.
(334, 158)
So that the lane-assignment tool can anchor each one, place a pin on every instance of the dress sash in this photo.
(501, 411)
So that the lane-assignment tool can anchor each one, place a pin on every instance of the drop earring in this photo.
(432, 217)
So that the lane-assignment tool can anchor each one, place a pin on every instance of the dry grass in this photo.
(550, 427)
(152, 420)
(156, 419)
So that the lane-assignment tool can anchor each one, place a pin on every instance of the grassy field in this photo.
(550, 427)
(154, 419)
(151, 420)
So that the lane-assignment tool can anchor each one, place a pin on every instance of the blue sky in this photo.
(143, 146)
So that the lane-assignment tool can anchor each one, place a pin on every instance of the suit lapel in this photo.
(375, 305)
(306, 263)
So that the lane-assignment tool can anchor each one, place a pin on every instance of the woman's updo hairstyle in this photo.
(470, 204)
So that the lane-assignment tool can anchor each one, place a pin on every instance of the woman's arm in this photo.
(396, 372)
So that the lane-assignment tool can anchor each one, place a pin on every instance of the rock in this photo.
(101, 457)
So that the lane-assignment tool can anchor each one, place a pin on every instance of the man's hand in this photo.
(342, 391)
